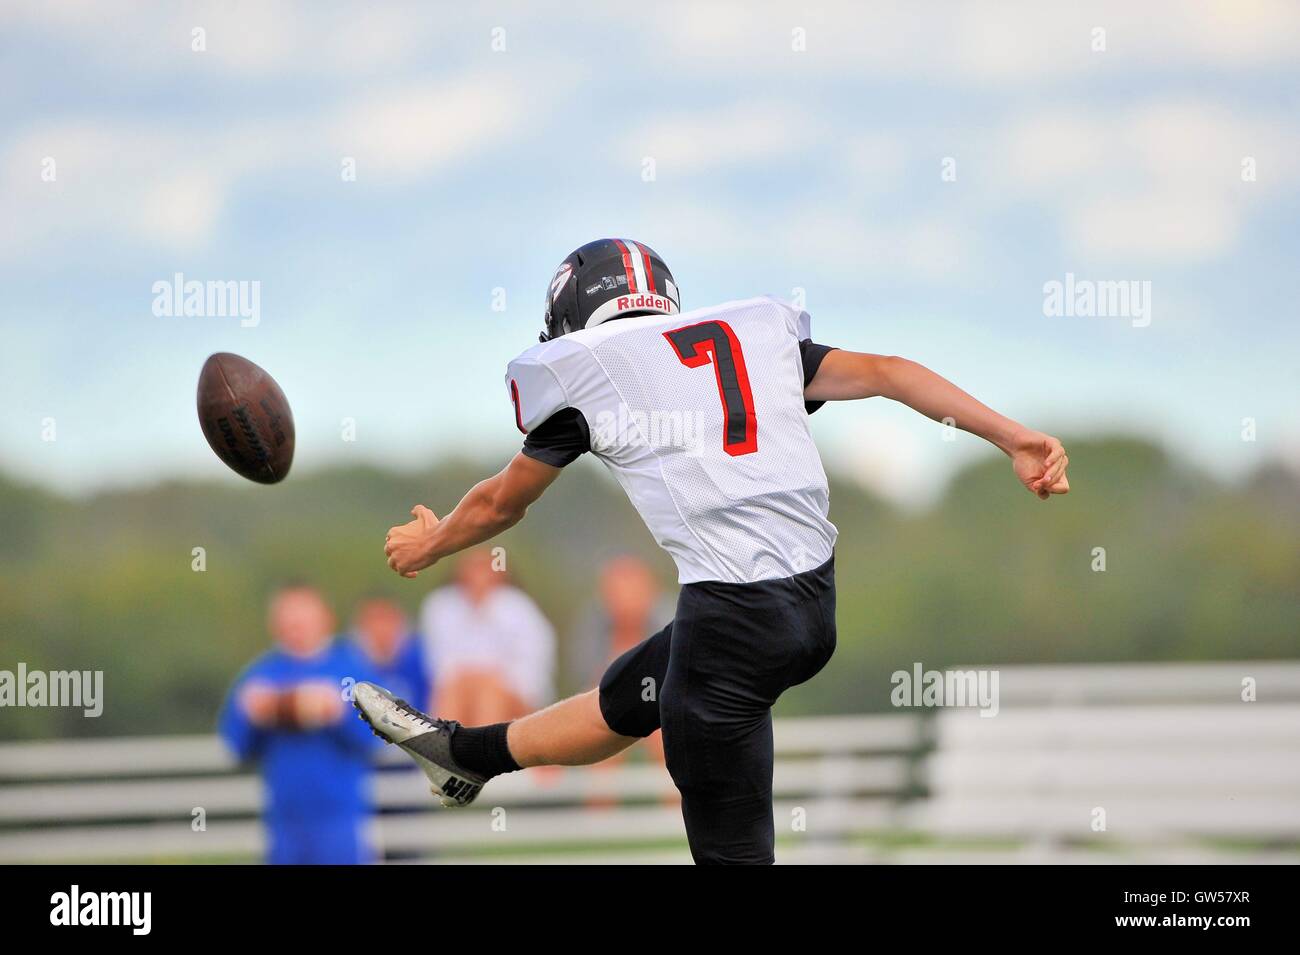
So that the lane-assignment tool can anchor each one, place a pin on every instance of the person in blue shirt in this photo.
(382, 632)
(290, 713)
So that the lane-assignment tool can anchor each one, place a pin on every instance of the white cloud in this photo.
(990, 43)
(698, 141)
(166, 182)
(875, 160)
(415, 130)
(819, 239)
(180, 210)
(1179, 141)
(247, 40)
(1159, 228)
(111, 180)
(1156, 182)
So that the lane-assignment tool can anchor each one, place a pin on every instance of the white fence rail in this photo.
(1083, 763)
(134, 799)
(1184, 762)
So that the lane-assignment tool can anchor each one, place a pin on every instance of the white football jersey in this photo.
(700, 416)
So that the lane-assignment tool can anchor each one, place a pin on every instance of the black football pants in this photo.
(709, 680)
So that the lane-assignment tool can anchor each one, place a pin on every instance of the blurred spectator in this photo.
(396, 655)
(287, 713)
(631, 606)
(382, 632)
(493, 650)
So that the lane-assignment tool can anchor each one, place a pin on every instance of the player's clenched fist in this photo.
(409, 546)
(1039, 461)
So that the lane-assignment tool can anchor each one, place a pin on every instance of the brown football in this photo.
(245, 418)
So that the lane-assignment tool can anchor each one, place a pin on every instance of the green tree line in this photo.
(1194, 570)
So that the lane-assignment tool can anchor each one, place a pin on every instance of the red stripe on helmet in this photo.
(627, 265)
(649, 272)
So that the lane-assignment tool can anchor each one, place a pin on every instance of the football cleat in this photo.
(427, 740)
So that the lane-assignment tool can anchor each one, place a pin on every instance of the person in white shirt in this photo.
(490, 646)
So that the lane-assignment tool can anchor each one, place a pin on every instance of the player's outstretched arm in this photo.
(1038, 459)
(490, 507)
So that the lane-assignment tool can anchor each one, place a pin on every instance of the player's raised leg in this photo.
(581, 730)
(459, 760)
(569, 733)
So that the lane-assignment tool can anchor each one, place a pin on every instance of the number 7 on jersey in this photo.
(716, 344)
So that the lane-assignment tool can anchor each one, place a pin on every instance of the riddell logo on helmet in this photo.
(659, 302)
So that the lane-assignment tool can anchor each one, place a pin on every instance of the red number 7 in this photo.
(715, 343)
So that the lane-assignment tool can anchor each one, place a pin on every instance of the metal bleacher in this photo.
(1082, 763)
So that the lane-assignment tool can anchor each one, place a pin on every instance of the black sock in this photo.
(483, 749)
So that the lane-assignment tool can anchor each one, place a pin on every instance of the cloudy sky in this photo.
(918, 173)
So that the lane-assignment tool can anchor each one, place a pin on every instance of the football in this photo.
(245, 417)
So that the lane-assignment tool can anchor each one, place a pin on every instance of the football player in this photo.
(703, 419)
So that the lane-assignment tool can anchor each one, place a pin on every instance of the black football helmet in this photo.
(608, 278)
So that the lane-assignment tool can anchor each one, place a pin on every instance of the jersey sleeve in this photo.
(802, 324)
(534, 390)
(559, 440)
(797, 321)
(811, 354)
